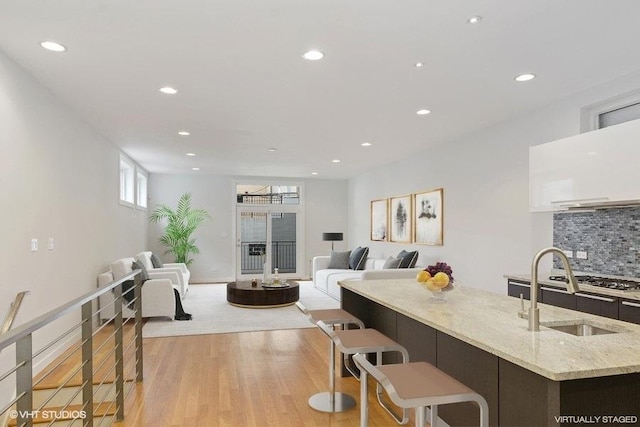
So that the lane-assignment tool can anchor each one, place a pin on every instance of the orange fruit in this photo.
(423, 276)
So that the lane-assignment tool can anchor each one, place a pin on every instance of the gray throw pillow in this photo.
(391, 262)
(339, 260)
(144, 275)
(358, 258)
(155, 261)
(408, 259)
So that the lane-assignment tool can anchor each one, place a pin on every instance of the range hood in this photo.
(601, 204)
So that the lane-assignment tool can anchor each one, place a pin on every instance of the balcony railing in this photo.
(283, 256)
(269, 199)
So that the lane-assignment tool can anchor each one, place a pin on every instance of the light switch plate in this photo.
(34, 245)
(569, 254)
(581, 254)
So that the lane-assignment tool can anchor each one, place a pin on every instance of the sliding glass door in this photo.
(268, 235)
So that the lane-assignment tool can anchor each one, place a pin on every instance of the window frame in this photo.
(142, 173)
(130, 170)
(590, 115)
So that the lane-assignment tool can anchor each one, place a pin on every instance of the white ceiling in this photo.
(244, 87)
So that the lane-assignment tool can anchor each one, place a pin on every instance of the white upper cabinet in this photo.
(598, 167)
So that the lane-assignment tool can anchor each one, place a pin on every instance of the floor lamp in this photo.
(332, 237)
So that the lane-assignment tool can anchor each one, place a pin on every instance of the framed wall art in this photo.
(400, 223)
(380, 220)
(427, 217)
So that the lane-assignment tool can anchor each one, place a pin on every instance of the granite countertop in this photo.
(490, 322)
(544, 280)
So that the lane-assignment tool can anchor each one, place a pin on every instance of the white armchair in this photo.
(178, 268)
(158, 297)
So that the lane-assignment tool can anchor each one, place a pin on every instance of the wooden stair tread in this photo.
(76, 383)
(99, 410)
(70, 367)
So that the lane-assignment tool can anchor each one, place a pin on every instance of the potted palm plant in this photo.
(181, 224)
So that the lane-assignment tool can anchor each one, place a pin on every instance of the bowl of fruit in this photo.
(438, 280)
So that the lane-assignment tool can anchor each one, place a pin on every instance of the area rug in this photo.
(213, 315)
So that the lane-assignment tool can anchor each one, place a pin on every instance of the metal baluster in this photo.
(138, 328)
(24, 380)
(87, 363)
(119, 352)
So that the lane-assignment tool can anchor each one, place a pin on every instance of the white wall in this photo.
(325, 210)
(488, 230)
(59, 179)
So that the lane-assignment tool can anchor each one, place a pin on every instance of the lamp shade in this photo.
(332, 237)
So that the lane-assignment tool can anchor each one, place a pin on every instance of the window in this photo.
(127, 178)
(141, 189)
(619, 115)
(268, 194)
(611, 112)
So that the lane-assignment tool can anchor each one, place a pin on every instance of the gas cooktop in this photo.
(602, 282)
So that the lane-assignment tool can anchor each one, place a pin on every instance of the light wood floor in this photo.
(240, 380)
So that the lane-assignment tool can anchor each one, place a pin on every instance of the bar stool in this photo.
(363, 341)
(416, 385)
(332, 401)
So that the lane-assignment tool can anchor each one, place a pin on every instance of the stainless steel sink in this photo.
(581, 328)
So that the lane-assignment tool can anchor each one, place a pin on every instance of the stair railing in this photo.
(13, 311)
(21, 408)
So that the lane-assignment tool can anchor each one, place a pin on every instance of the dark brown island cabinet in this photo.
(516, 395)
(613, 307)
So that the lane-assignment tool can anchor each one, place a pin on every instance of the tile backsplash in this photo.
(610, 238)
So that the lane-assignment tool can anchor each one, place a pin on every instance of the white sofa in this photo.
(326, 279)
(158, 298)
(181, 280)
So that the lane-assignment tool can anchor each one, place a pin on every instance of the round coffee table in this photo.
(242, 294)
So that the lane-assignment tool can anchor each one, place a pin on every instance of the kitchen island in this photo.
(528, 378)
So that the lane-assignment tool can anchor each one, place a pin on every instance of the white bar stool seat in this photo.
(416, 385)
(332, 401)
(364, 341)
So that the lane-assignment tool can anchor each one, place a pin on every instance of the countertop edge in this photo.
(555, 376)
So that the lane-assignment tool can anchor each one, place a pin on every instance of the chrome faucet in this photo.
(572, 284)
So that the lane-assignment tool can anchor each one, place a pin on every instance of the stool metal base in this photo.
(322, 402)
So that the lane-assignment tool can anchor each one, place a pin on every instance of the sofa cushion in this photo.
(408, 259)
(391, 262)
(155, 261)
(358, 258)
(121, 267)
(339, 260)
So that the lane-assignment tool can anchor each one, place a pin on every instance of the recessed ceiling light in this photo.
(53, 46)
(273, 150)
(313, 55)
(191, 154)
(335, 161)
(366, 144)
(419, 64)
(423, 112)
(314, 173)
(525, 77)
(195, 169)
(474, 19)
(184, 133)
(168, 90)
